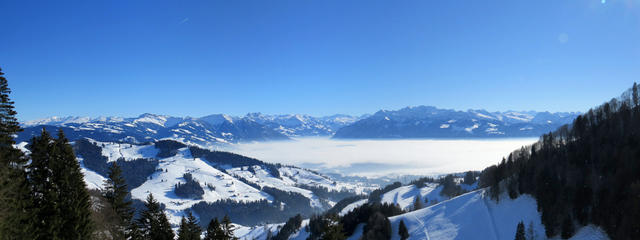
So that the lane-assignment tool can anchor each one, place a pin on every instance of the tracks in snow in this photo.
(490, 213)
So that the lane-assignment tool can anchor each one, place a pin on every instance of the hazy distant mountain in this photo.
(432, 122)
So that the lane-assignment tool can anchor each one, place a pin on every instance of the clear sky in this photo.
(193, 58)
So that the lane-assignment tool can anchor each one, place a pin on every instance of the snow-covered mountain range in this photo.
(432, 122)
(410, 122)
(208, 130)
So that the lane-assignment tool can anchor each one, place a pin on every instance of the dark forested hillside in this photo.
(586, 172)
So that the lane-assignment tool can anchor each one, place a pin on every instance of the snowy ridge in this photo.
(432, 122)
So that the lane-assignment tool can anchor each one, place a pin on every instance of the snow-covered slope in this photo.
(475, 216)
(405, 196)
(431, 122)
(471, 216)
(221, 175)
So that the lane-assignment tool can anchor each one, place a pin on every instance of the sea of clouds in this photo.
(382, 157)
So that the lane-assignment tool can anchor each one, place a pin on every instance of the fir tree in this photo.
(334, 232)
(15, 199)
(45, 214)
(189, 229)
(520, 231)
(116, 194)
(417, 204)
(153, 223)
(58, 190)
(402, 231)
(214, 230)
(70, 190)
(183, 230)
(9, 125)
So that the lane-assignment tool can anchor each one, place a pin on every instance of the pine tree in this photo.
(520, 231)
(73, 200)
(153, 222)
(402, 231)
(183, 230)
(9, 125)
(116, 194)
(214, 230)
(46, 217)
(59, 194)
(189, 229)
(15, 198)
(333, 230)
(417, 204)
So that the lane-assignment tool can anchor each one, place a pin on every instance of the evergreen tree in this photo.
(59, 194)
(334, 232)
(520, 231)
(9, 125)
(70, 190)
(402, 231)
(153, 223)
(46, 216)
(378, 227)
(189, 229)
(417, 204)
(15, 199)
(116, 194)
(214, 230)
(183, 230)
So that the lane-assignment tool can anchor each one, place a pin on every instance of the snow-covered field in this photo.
(378, 157)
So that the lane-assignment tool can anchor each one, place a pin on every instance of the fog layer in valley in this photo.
(381, 157)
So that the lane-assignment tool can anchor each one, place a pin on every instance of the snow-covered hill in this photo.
(432, 122)
(157, 168)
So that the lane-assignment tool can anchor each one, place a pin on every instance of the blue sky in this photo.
(193, 58)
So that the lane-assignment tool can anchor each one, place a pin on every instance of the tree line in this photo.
(586, 172)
